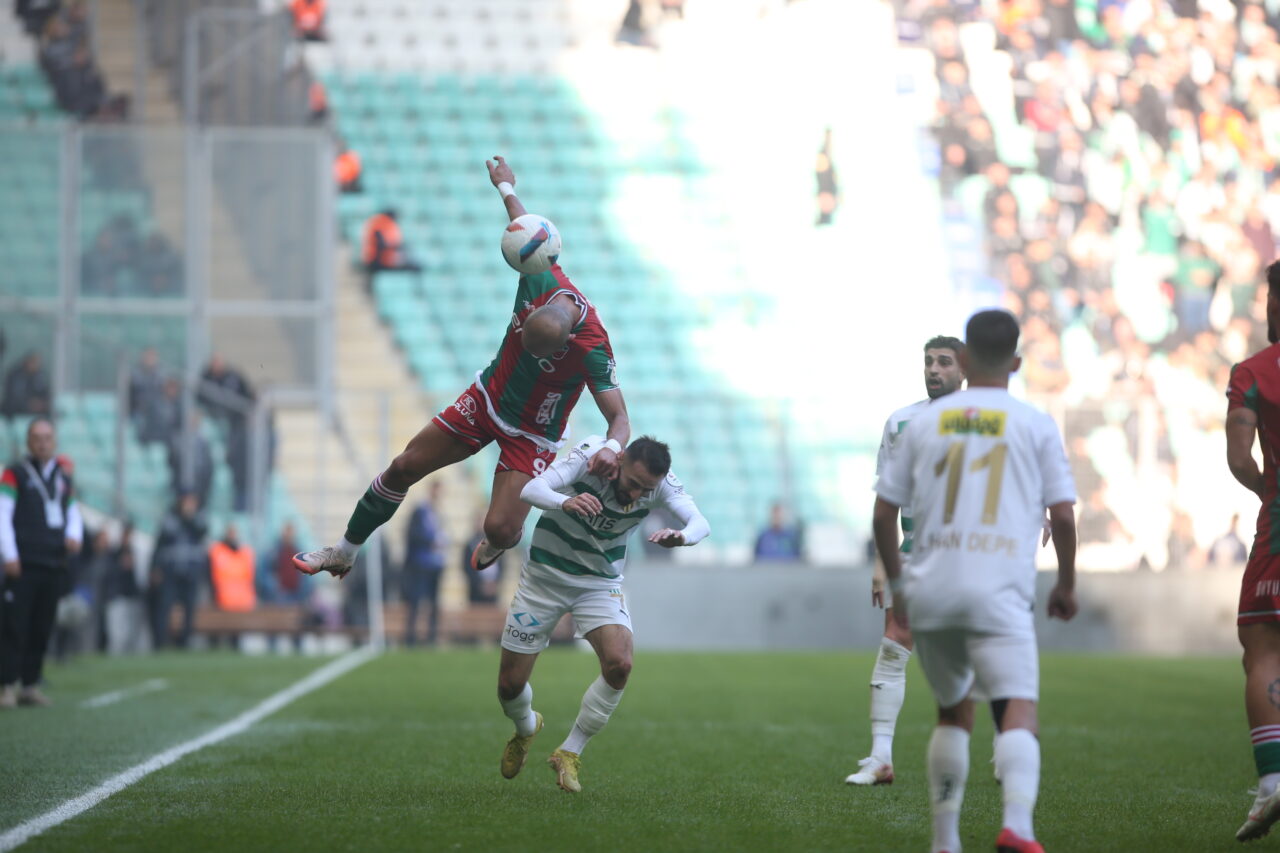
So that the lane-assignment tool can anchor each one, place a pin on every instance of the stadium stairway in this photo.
(116, 41)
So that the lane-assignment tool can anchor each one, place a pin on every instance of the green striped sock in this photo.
(374, 510)
(1267, 757)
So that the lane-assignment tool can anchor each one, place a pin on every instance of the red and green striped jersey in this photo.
(1255, 385)
(535, 395)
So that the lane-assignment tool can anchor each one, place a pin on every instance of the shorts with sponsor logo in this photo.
(545, 595)
(467, 420)
(1260, 588)
(959, 661)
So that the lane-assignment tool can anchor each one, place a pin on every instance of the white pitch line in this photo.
(73, 807)
(117, 695)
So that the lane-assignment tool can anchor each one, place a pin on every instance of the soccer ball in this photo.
(531, 244)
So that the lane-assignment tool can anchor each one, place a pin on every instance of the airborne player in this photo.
(554, 346)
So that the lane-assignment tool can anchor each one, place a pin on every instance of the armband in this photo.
(613, 445)
(505, 189)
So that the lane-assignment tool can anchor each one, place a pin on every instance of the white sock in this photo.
(348, 549)
(888, 690)
(948, 764)
(598, 704)
(520, 710)
(1267, 784)
(1018, 759)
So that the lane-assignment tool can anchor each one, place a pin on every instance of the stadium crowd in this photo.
(1120, 158)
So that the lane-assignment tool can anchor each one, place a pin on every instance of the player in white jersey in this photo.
(575, 566)
(942, 375)
(976, 474)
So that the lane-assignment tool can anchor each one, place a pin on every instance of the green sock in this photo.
(374, 509)
(1267, 757)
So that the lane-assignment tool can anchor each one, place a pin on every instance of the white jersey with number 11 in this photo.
(975, 471)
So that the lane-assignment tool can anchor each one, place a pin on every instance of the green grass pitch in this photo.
(706, 752)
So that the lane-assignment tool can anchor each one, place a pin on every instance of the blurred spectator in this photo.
(179, 565)
(231, 568)
(289, 582)
(26, 388)
(1184, 553)
(192, 476)
(146, 398)
(1195, 279)
(423, 566)
(1229, 551)
(124, 613)
(780, 540)
(36, 13)
(384, 247)
(1097, 523)
(229, 398)
(635, 29)
(828, 188)
(309, 19)
(347, 170)
(317, 103)
(160, 267)
(482, 586)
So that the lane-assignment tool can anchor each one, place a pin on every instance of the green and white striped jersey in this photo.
(597, 547)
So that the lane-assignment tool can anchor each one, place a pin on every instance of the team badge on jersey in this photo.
(674, 482)
(972, 421)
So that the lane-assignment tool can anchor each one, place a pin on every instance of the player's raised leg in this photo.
(888, 691)
(613, 646)
(1261, 641)
(516, 696)
(430, 450)
(1017, 759)
(504, 521)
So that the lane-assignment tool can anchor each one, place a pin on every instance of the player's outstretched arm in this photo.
(681, 505)
(614, 408)
(1242, 426)
(1062, 599)
(505, 180)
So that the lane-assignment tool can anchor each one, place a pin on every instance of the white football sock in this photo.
(348, 549)
(1018, 759)
(888, 690)
(1267, 784)
(598, 704)
(948, 764)
(520, 710)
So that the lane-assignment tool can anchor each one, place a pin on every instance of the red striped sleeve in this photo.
(9, 483)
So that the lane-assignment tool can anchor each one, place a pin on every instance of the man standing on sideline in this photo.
(1253, 409)
(555, 346)
(423, 566)
(40, 527)
(978, 472)
(942, 375)
(575, 564)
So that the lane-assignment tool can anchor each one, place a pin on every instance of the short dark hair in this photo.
(651, 453)
(945, 342)
(991, 338)
(1273, 279)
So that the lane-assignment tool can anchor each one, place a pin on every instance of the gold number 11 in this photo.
(954, 460)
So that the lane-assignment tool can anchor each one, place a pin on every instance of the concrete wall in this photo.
(799, 607)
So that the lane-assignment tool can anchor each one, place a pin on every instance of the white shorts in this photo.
(545, 595)
(957, 661)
